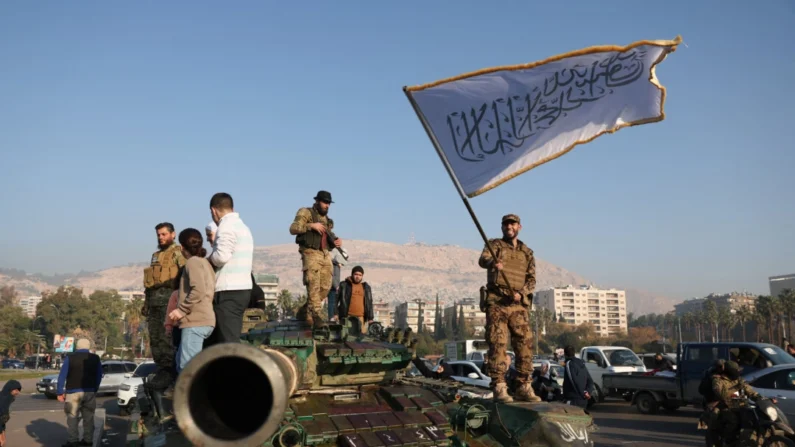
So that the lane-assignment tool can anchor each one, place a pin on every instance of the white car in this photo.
(469, 373)
(128, 389)
(609, 359)
(113, 374)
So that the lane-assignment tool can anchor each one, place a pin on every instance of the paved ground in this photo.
(621, 424)
(40, 422)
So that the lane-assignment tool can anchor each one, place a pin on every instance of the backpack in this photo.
(705, 387)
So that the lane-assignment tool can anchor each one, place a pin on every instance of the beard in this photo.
(165, 246)
(322, 212)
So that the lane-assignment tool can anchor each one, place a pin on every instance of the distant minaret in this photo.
(412, 241)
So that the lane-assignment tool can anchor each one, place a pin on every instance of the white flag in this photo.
(498, 123)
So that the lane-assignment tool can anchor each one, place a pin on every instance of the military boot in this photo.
(501, 393)
(162, 412)
(525, 392)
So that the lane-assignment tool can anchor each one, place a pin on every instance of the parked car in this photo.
(113, 375)
(469, 372)
(601, 360)
(128, 389)
(47, 385)
(13, 364)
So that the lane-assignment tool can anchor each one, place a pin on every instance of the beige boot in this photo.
(525, 392)
(501, 393)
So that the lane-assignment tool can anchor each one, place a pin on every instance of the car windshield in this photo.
(622, 357)
(778, 355)
(145, 369)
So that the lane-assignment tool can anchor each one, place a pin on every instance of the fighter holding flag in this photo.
(494, 124)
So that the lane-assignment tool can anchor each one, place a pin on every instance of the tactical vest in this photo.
(312, 239)
(163, 269)
(514, 264)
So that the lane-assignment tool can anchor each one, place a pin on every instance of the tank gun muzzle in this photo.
(216, 392)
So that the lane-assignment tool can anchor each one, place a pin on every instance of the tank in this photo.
(286, 384)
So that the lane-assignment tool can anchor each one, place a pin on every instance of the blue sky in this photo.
(113, 118)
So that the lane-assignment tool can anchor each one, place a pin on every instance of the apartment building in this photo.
(475, 319)
(606, 309)
(28, 304)
(270, 287)
(412, 314)
(383, 313)
(733, 301)
(779, 283)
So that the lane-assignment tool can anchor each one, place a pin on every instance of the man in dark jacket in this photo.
(440, 371)
(355, 298)
(11, 390)
(577, 383)
(78, 383)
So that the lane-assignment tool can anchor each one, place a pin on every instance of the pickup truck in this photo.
(649, 393)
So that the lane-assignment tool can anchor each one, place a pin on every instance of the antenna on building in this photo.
(412, 241)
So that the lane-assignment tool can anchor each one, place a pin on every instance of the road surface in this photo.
(621, 424)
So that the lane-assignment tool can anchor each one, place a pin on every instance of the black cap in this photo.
(324, 196)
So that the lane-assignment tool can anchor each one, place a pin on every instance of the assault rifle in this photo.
(330, 238)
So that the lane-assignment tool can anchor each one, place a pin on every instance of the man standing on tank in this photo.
(310, 228)
(506, 306)
(159, 280)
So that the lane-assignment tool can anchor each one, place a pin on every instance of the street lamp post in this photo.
(32, 326)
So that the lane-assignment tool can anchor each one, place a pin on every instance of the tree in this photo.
(8, 296)
(286, 303)
(710, 310)
(437, 322)
(462, 331)
(133, 319)
(13, 324)
(743, 315)
(271, 312)
(787, 299)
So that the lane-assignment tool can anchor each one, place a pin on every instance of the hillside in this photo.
(396, 272)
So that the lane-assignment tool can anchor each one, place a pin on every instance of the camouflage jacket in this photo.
(519, 265)
(300, 229)
(725, 389)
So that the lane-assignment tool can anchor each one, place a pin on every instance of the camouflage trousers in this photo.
(502, 321)
(318, 273)
(160, 343)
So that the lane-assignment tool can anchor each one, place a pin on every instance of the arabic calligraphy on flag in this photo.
(496, 124)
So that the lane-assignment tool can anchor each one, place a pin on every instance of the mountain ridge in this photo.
(396, 272)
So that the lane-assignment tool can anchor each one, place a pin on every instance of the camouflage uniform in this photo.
(503, 315)
(159, 283)
(724, 388)
(315, 259)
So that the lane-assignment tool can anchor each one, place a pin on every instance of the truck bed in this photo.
(640, 382)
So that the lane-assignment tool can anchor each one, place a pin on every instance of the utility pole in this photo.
(38, 352)
(106, 343)
(536, 337)
(420, 318)
(680, 329)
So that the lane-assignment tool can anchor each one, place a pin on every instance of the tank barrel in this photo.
(233, 394)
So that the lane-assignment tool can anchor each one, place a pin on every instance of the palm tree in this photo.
(710, 310)
(765, 308)
(787, 299)
(743, 315)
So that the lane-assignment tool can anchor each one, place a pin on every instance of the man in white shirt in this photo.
(232, 256)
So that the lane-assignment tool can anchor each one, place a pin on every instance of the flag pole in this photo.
(457, 184)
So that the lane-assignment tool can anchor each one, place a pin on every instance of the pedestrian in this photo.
(232, 257)
(172, 327)
(311, 228)
(78, 383)
(577, 383)
(210, 231)
(11, 390)
(194, 313)
(507, 306)
(159, 280)
(356, 298)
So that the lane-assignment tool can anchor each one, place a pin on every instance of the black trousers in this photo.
(229, 306)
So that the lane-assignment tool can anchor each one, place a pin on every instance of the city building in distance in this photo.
(606, 309)
(732, 301)
(408, 315)
(131, 295)
(475, 319)
(779, 283)
(28, 304)
(270, 287)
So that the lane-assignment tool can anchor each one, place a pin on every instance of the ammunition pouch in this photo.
(157, 276)
(149, 278)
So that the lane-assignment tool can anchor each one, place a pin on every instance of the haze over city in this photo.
(113, 119)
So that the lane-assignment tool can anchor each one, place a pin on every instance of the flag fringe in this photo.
(652, 78)
(580, 52)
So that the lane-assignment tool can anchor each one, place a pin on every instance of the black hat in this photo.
(324, 196)
(359, 269)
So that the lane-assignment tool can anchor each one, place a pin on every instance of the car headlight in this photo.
(124, 387)
(772, 413)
